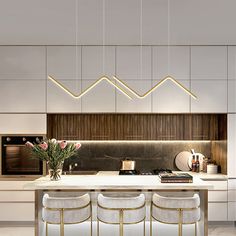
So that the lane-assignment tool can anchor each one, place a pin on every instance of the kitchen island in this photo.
(109, 182)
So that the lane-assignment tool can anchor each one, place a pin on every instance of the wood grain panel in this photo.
(137, 126)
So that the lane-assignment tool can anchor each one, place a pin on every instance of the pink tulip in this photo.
(44, 146)
(63, 144)
(29, 144)
(77, 146)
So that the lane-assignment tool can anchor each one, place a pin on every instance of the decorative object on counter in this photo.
(194, 158)
(212, 168)
(175, 177)
(54, 153)
(182, 159)
(128, 164)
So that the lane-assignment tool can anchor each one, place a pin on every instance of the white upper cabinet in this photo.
(122, 22)
(22, 62)
(97, 61)
(99, 99)
(64, 62)
(124, 104)
(232, 63)
(23, 124)
(89, 22)
(133, 62)
(170, 98)
(211, 96)
(208, 63)
(231, 146)
(173, 61)
(23, 96)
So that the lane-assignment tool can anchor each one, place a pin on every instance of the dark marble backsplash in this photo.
(149, 155)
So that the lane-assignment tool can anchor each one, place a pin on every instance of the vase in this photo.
(55, 172)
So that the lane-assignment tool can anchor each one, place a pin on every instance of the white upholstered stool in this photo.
(66, 210)
(175, 210)
(121, 210)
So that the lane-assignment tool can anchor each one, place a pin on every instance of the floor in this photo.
(225, 229)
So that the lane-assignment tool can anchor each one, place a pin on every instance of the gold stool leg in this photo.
(151, 220)
(46, 229)
(180, 229)
(97, 227)
(62, 223)
(91, 222)
(196, 229)
(180, 221)
(144, 228)
(121, 222)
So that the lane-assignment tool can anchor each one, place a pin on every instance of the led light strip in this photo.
(89, 88)
(120, 88)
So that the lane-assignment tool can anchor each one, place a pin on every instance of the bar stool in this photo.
(66, 210)
(175, 210)
(121, 210)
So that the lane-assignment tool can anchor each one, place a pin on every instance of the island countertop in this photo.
(113, 182)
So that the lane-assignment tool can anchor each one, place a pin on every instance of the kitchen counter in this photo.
(111, 181)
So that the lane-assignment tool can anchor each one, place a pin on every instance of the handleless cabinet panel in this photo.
(98, 61)
(22, 62)
(64, 62)
(122, 22)
(169, 98)
(232, 211)
(232, 184)
(133, 62)
(22, 96)
(17, 211)
(217, 211)
(232, 62)
(173, 61)
(208, 62)
(60, 101)
(232, 95)
(22, 124)
(100, 99)
(217, 196)
(211, 96)
(124, 104)
(16, 196)
(231, 147)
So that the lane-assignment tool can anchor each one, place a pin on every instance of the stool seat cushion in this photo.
(121, 202)
(67, 203)
(190, 206)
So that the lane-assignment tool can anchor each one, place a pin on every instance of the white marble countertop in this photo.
(112, 181)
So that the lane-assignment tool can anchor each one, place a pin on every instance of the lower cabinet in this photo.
(232, 200)
(218, 200)
(16, 204)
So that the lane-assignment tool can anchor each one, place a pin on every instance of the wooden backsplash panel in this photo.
(137, 126)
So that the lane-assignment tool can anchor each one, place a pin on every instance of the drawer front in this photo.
(16, 196)
(232, 211)
(232, 184)
(218, 185)
(232, 195)
(13, 185)
(17, 211)
(217, 196)
(218, 211)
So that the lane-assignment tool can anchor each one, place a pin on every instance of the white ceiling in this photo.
(52, 22)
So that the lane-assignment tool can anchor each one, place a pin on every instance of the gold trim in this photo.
(155, 87)
(121, 218)
(62, 223)
(122, 90)
(89, 88)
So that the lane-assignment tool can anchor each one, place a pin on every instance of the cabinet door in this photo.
(133, 62)
(232, 211)
(231, 146)
(211, 96)
(22, 96)
(208, 63)
(22, 124)
(217, 211)
(22, 62)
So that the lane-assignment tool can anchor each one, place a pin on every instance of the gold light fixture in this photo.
(77, 96)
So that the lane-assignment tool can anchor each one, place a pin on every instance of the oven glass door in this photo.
(17, 160)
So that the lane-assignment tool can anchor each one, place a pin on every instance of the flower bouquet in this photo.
(54, 153)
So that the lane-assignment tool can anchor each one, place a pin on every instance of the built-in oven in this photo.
(16, 158)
